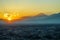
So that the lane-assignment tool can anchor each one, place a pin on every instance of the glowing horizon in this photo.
(29, 7)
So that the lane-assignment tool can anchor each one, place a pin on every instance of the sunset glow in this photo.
(7, 17)
(16, 9)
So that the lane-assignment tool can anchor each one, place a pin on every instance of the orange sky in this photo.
(28, 7)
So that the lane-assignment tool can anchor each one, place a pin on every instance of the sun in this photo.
(7, 17)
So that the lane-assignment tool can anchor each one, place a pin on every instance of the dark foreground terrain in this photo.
(30, 32)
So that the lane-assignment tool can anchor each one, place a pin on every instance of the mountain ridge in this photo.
(52, 19)
(55, 19)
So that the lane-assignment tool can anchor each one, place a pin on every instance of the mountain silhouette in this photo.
(41, 15)
(52, 19)
(36, 17)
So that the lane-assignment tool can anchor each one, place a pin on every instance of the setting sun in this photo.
(7, 17)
